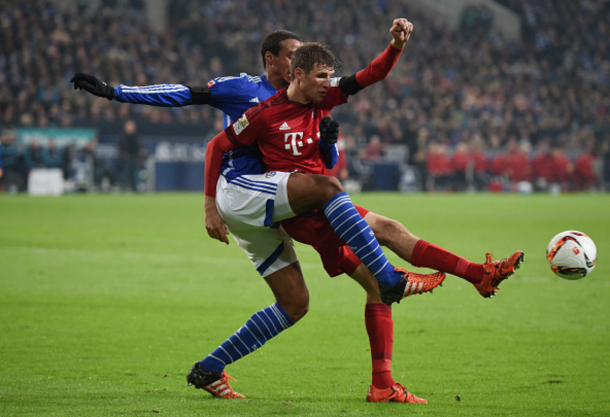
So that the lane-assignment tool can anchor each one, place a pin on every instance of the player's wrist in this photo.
(399, 45)
(109, 94)
(209, 202)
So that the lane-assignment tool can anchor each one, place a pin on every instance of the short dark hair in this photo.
(272, 42)
(311, 54)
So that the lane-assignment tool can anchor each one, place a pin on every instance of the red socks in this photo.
(427, 255)
(380, 328)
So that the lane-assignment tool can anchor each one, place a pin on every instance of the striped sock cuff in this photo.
(262, 326)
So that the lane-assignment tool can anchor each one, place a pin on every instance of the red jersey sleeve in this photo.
(214, 152)
(379, 68)
(241, 133)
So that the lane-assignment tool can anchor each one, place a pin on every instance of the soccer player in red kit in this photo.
(286, 129)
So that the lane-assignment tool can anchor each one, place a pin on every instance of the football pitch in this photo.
(106, 301)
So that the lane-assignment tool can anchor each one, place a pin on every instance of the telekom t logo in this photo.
(294, 142)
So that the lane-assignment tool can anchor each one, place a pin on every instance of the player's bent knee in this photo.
(300, 313)
(295, 308)
(388, 230)
(328, 187)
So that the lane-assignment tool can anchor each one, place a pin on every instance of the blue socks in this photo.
(357, 234)
(262, 326)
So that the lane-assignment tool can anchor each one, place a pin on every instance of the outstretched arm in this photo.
(382, 65)
(162, 95)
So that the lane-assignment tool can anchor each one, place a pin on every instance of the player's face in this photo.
(316, 84)
(281, 62)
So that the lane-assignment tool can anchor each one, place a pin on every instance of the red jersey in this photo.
(584, 173)
(543, 166)
(562, 168)
(480, 161)
(518, 167)
(287, 132)
(439, 163)
(461, 160)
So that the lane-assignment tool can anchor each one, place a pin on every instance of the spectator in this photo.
(418, 158)
(52, 156)
(584, 174)
(374, 149)
(517, 163)
(129, 157)
(481, 164)
(439, 168)
(361, 167)
(561, 167)
(68, 156)
(463, 166)
(542, 166)
(13, 175)
(605, 150)
(33, 156)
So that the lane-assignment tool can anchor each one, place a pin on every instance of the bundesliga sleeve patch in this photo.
(240, 125)
(334, 82)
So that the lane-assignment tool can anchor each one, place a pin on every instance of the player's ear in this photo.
(268, 58)
(298, 72)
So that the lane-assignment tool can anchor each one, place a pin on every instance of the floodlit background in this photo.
(503, 95)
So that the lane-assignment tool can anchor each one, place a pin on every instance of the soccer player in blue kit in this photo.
(235, 94)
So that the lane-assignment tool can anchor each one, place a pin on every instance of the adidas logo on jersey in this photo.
(284, 126)
(254, 100)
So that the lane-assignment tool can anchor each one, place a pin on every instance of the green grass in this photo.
(106, 301)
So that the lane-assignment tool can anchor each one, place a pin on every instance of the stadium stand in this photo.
(467, 88)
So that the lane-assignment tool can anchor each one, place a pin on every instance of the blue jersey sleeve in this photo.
(235, 95)
(330, 153)
(162, 95)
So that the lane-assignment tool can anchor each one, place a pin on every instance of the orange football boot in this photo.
(497, 271)
(216, 384)
(420, 283)
(410, 283)
(396, 393)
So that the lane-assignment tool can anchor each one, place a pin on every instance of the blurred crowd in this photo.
(83, 168)
(473, 109)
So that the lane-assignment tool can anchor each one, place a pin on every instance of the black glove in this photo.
(329, 130)
(93, 85)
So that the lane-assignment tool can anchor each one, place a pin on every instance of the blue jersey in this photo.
(232, 95)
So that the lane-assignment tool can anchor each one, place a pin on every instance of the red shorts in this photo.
(313, 229)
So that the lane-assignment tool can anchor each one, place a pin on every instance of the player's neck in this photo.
(276, 81)
(297, 95)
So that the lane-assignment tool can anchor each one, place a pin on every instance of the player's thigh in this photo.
(387, 230)
(309, 191)
(268, 249)
(253, 200)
